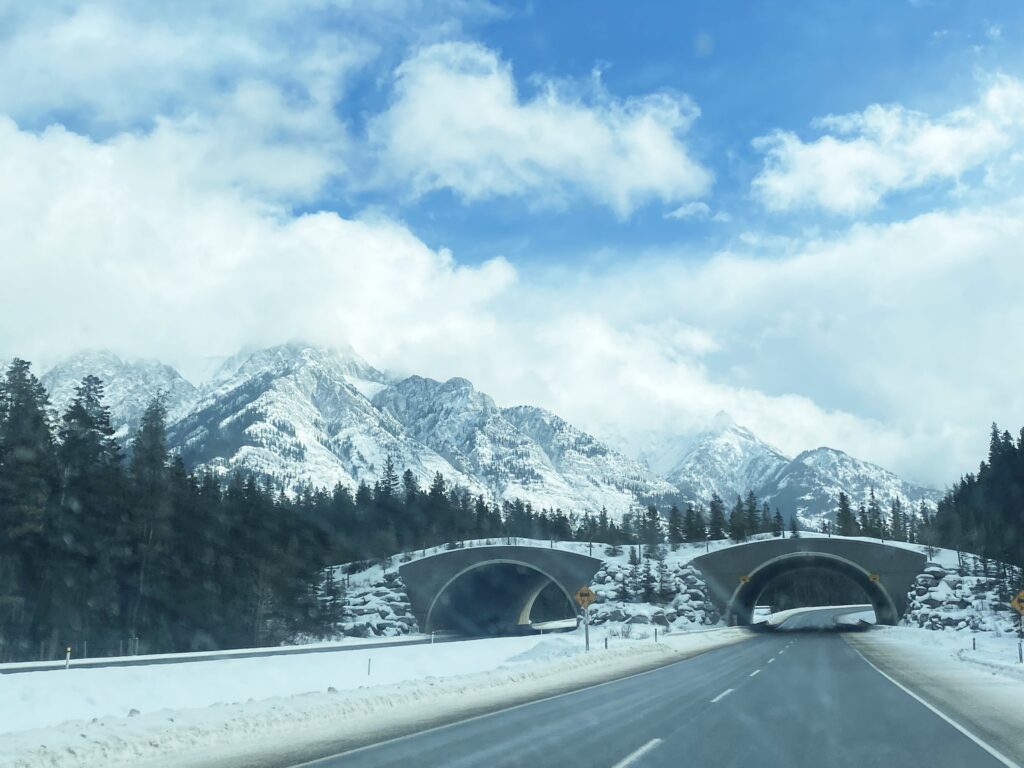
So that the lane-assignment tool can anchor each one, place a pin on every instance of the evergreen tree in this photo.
(650, 531)
(603, 532)
(876, 525)
(666, 585)
(83, 531)
(676, 528)
(846, 522)
(28, 484)
(716, 519)
(647, 583)
(751, 515)
(387, 486)
(794, 528)
(777, 524)
(738, 521)
(764, 524)
(148, 515)
(897, 524)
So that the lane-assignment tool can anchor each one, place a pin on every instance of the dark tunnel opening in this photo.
(797, 580)
(811, 586)
(498, 599)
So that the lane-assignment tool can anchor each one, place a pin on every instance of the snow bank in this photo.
(998, 652)
(194, 713)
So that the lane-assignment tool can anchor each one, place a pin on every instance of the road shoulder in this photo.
(988, 704)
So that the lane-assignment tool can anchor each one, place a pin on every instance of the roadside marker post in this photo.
(67, 657)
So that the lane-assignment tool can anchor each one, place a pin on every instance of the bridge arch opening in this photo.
(808, 565)
(498, 597)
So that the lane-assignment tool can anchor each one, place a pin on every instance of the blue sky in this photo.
(636, 214)
(750, 67)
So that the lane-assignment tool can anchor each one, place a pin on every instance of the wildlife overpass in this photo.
(493, 590)
(736, 576)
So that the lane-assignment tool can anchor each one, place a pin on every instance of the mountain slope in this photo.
(810, 484)
(129, 386)
(296, 414)
(521, 452)
(729, 461)
(304, 416)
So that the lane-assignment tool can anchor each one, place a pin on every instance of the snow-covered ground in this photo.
(992, 651)
(216, 712)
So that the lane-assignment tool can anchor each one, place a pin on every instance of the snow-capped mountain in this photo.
(520, 452)
(810, 484)
(129, 386)
(300, 415)
(303, 415)
(728, 460)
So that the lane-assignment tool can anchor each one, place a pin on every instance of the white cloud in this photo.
(692, 210)
(458, 122)
(866, 155)
(107, 244)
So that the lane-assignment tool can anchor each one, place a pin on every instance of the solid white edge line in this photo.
(632, 757)
(987, 747)
(722, 695)
(754, 673)
(481, 716)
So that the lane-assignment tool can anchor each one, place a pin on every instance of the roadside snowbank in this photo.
(224, 712)
(992, 651)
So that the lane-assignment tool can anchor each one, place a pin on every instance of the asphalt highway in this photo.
(785, 698)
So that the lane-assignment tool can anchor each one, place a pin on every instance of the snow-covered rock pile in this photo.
(679, 600)
(945, 599)
(378, 609)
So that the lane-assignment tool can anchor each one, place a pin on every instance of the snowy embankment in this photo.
(986, 651)
(225, 712)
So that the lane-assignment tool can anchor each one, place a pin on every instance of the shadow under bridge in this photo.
(495, 590)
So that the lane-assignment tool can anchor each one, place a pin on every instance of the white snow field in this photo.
(222, 713)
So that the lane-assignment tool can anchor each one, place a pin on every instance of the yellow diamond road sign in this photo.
(585, 596)
(1018, 602)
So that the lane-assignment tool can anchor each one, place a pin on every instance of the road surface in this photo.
(783, 699)
(820, 619)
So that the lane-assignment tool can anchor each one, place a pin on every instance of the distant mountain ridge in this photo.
(308, 416)
(730, 460)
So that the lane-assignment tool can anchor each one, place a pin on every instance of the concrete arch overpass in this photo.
(492, 589)
(737, 575)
